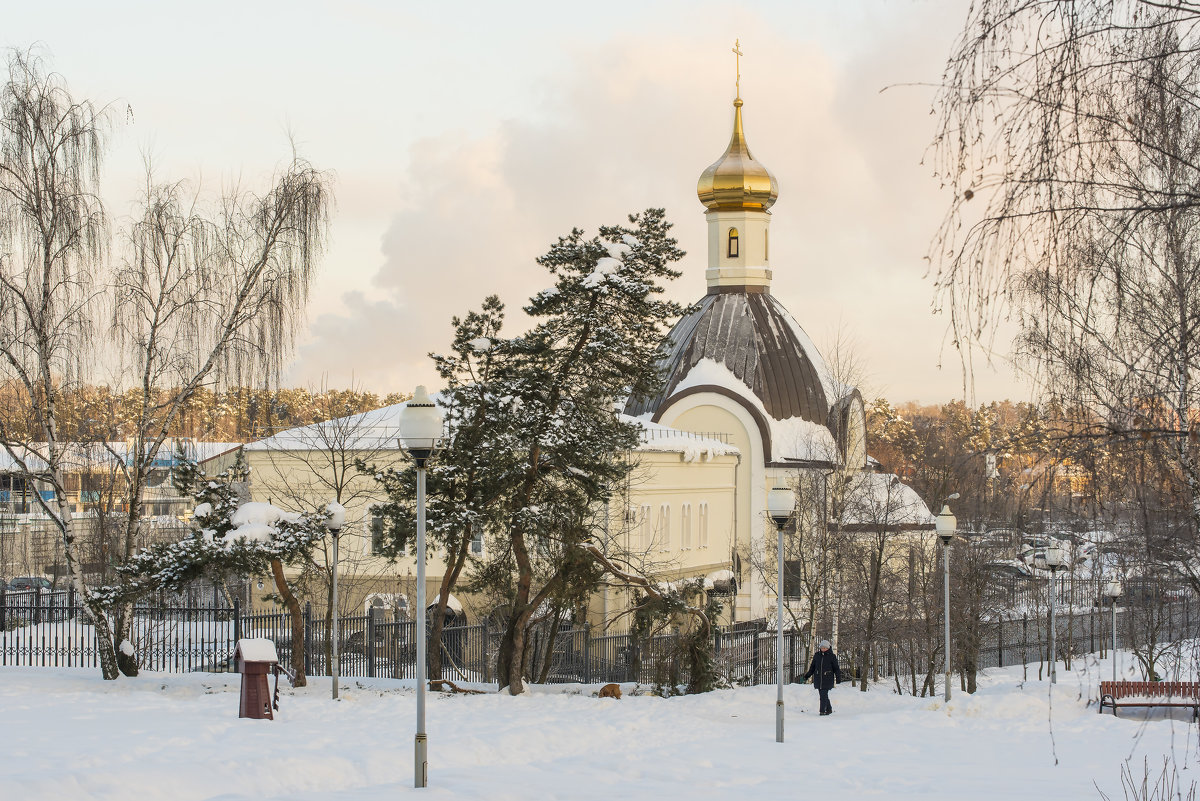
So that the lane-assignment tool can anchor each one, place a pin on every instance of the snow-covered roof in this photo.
(761, 346)
(791, 438)
(882, 499)
(203, 451)
(257, 649)
(692, 446)
(452, 603)
(376, 429)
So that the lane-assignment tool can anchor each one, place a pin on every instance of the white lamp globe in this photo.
(337, 516)
(946, 524)
(420, 423)
(781, 502)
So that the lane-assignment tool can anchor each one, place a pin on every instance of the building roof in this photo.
(379, 429)
(690, 445)
(881, 500)
(757, 340)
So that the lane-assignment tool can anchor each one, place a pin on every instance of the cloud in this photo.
(356, 348)
(632, 125)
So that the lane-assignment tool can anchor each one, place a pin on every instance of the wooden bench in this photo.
(1150, 693)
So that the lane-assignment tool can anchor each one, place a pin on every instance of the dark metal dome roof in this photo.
(752, 335)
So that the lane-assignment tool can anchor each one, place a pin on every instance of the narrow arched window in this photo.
(733, 243)
(766, 244)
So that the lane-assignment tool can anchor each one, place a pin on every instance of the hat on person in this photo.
(824, 643)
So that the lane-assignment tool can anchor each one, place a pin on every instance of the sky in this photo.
(464, 138)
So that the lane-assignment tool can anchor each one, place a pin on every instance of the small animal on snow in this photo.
(611, 691)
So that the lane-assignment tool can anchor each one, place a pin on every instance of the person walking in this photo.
(825, 674)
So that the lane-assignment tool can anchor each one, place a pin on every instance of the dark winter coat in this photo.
(824, 669)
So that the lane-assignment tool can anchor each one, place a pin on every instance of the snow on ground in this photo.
(69, 735)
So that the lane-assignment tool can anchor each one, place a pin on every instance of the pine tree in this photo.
(537, 448)
(465, 482)
(557, 446)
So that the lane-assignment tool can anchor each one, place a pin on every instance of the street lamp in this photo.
(946, 524)
(781, 502)
(1051, 559)
(335, 523)
(421, 436)
(1113, 591)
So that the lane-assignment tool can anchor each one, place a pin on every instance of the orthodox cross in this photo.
(737, 52)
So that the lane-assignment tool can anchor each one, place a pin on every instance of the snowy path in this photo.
(66, 734)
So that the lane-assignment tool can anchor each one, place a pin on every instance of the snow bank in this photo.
(180, 740)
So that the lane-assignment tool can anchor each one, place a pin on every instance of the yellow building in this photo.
(679, 511)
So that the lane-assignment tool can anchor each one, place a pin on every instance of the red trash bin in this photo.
(256, 659)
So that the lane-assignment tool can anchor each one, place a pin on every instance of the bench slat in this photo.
(1150, 693)
(1143, 686)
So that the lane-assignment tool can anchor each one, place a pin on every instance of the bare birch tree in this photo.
(1070, 135)
(54, 236)
(198, 295)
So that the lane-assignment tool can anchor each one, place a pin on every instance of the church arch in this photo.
(760, 421)
(732, 251)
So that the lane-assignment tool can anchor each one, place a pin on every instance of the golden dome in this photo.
(736, 180)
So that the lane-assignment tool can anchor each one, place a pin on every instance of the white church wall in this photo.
(666, 491)
(709, 411)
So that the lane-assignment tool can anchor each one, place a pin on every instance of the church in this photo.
(741, 365)
(748, 404)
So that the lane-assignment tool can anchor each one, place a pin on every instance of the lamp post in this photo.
(337, 520)
(781, 502)
(1051, 559)
(946, 524)
(421, 436)
(1113, 591)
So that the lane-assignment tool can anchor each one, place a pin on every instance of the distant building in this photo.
(679, 510)
(31, 544)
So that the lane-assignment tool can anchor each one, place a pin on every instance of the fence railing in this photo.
(53, 629)
(1014, 596)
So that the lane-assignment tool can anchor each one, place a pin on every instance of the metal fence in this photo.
(53, 629)
(1011, 596)
(1017, 639)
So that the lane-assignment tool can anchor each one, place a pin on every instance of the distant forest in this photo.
(1018, 464)
(237, 414)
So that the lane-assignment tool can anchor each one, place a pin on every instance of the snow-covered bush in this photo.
(230, 536)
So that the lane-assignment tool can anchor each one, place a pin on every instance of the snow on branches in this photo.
(231, 536)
